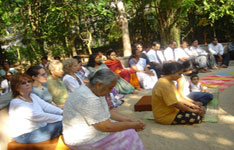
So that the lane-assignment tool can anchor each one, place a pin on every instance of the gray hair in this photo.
(67, 64)
(53, 64)
(104, 76)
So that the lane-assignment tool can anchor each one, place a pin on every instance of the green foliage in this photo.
(61, 27)
(217, 9)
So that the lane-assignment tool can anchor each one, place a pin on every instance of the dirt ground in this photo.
(205, 136)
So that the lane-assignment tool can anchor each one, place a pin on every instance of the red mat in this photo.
(144, 104)
(221, 82)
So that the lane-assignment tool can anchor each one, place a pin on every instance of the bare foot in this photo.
(215, 68)
(224, 66)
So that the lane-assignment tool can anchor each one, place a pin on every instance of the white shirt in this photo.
(216, 49)
(180, 53)
(155, 56)
(152, 56)
(199, 50)
(169, 54)
(160, 56)
(5, 84)
(195, 88)
(82, 110)
(71, 83)
(188, 52)
(26, 117)
(186, 90)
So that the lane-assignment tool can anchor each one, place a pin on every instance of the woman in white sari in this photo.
(146, 77)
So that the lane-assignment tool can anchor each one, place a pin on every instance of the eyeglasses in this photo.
(43, 74)
(25, 82)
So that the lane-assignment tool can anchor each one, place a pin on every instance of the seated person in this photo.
(203, 59)
(6, 85)
(182, 53)
(156, 57)
(183, 87)
(122, 86)
(231, 49)
(32, 120)
(167, 106)
(82, 72)
(139, 47)
(169, 52)
(89, 124)
(195, 85)
(71, 79)
(55, 85)
(44, 63)
(147, 77)
(102, 57)
(39, 77)
(6, 71)
(115, 65)
(217, 50)
(114, 99)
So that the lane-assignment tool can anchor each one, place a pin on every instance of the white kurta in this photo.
(199, 50)
(160, 56)
(146, 81)
(180, 53)
(169, 54)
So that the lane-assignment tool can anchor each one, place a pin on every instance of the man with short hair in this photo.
(183, 53)
(217, 50)
(169, 52)
(148, 62)
(156, 57)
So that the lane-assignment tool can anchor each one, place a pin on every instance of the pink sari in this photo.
(123, 140)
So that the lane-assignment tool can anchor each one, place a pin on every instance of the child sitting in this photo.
(195, 85)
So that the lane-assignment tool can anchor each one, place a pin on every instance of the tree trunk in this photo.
(164, 35)
(89, 42)
(18, 55)
(127, 51)
(175, 34)
(74, 53)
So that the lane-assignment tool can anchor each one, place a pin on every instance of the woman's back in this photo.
(81, 111)
(164, 94)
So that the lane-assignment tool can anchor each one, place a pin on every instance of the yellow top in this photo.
(164, 95)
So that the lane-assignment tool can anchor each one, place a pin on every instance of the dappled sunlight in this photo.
(170, 134)
(229, 119)
(222, 112)
(132, 96)
(225, 117)
(127, 104)
(201, 137)
(224, 141)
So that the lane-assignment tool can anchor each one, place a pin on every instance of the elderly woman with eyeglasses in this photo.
(88, 124)
(32, 120)
(39, 76)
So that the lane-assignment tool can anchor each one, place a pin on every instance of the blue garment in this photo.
(202, 97)
(50, 131)
(43, 93)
